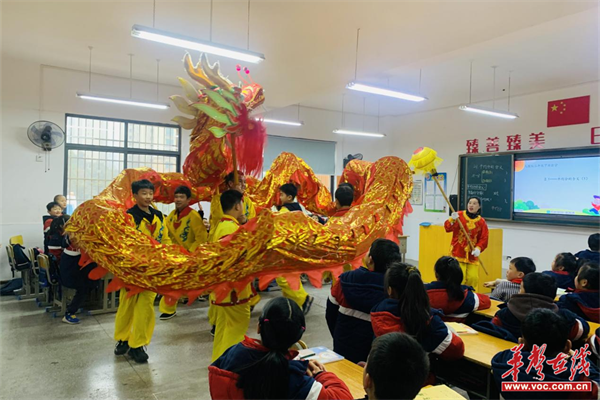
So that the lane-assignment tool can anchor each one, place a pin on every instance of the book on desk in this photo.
(320, 354)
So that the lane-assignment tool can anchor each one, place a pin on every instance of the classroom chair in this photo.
(59, 294)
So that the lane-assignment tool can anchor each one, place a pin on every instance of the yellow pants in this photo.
(164, 308)
(135, 318)
(297, 296)
(231, 326)
(470, 274)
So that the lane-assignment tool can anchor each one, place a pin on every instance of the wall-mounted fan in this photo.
(351, 157)
(47, 136)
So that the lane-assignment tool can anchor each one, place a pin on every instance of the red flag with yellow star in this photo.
(573, 111)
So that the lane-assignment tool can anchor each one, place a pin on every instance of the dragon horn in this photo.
(195, 72)
(247, 71)
(238, 68)
(212, 72)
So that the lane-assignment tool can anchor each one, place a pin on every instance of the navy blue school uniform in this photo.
(500, 366)
(292, 206)
(456, 311)
(348, 312)
(584, 303)
(223, 375)
(75, 277)
(589, 255)
(438, 340)
(512, 314)
(563, 279)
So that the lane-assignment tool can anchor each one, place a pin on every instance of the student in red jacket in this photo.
(585, 301)
(447, 294)
(407, 310)
(266, 369)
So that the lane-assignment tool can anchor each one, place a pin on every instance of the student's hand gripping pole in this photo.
(435, 178)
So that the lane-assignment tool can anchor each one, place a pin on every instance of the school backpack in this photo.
(9, 287)
(22, 262)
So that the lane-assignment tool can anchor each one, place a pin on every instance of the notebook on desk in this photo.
(461, 329)
(320, 354)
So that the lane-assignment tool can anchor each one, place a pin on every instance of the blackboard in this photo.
(490, 178)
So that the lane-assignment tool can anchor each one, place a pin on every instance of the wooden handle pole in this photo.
(435, 178)
(236, 178)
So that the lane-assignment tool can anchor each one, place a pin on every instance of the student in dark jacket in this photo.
(544, 327)
(447, 294)
(593, 253)
(353, 296)
(407, 310)
(52, 241)
(584, 301)
(564, 269)
(287, 197)
(396, 369)
(537, 291)
(266, 369)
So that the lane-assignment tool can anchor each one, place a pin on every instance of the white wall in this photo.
(26, 188)
(447, 130)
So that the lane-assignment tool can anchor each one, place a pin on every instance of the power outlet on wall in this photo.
(39, 158)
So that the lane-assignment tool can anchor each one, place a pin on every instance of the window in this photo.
(98, 149)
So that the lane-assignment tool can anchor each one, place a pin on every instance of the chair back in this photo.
(16, 240)
(43, 262)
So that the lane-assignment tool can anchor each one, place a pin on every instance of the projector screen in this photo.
(557, 186)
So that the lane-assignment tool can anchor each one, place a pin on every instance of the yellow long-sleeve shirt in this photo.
(186, 228)
(152, 224)
(216, 213)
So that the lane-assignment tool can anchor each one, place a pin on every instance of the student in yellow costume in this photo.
(216, 211)
(231, 316)
(134, 322)
(287, 195)
(185, 229)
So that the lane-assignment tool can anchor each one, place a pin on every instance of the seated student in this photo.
(55, 237)
(74, 277)
(537, 291)
(54, 211)
(231, 316)
(564, 269)
(287, 196)
(593, 253)
(407, 310)
(344, 196)
(447, 294)
(585, 301)
(266, 369)
(186, 229)
(544, 327)
(396, 369)
(353, 296)
(517, 269)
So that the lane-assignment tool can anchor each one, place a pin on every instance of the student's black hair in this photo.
(281, 325)
(567, 261)
(594, 242)
(289, 189)
(538, 283)
(448, 271)
(184, 190)
(346, 184)
(51, 205)
(383, 252)
(57, 225)
(57, 197)
(413, 301)
(589, 270)
(141, 184)
(523, 264)
(230, 176)
(229, 199)
(542, 326)
(345, 195)
(478, 201)
(398, 366)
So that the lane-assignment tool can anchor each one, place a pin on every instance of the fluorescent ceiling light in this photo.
(488, 111)
(281, 122)
(129, 102)
(358, 133)
(190, 43)
(384, 92)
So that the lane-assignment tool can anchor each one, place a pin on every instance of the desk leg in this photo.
(487, 388)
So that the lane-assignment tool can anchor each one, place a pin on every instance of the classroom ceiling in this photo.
(310, 45)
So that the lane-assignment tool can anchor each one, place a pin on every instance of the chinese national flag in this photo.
(571, 111)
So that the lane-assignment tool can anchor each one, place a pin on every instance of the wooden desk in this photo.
(490, 312)
(593, 327)
(481, 348)
(352, 375)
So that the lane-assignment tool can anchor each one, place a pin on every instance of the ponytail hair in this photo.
(413, 301)
(281, 325)
(448, 271)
